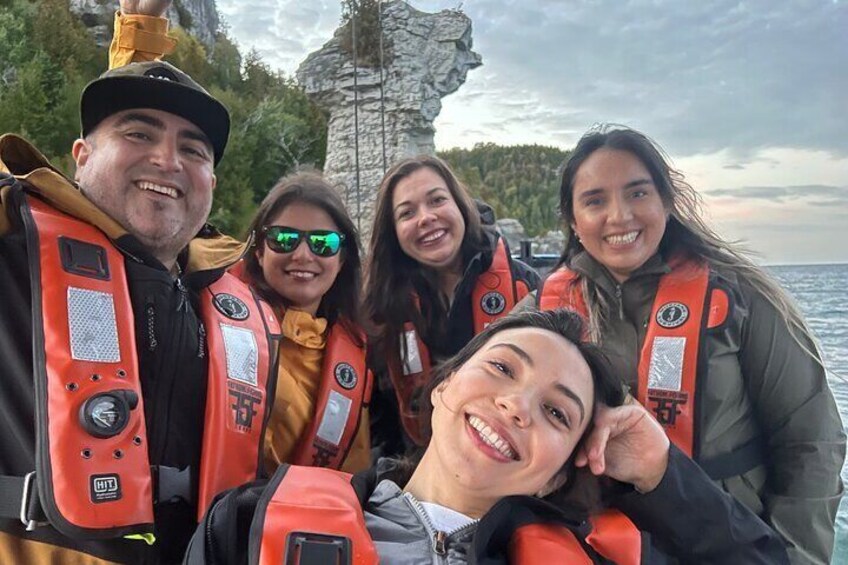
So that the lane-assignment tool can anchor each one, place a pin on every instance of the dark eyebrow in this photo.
(573, 396)
(160, 125)
(638, 182)
(196, 136)
(520, 352)
(429, 192)
(634, 183)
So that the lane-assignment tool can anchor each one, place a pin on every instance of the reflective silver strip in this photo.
(412, 361)
(334, 418)
(92, 326)
(242, 354)
(666, 369)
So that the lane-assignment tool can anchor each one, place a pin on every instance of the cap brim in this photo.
(106, 96)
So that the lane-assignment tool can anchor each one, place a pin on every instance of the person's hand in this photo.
(145, 7)
(628, 445)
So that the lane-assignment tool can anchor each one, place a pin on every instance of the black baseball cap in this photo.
(160, 86)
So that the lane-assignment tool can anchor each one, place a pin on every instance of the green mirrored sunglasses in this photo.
(283, 239)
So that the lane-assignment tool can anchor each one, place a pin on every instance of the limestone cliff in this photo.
(431, 55)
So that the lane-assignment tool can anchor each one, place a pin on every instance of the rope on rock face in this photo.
(382, 104)
(354, 9)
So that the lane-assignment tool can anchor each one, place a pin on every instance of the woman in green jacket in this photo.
(706, 339)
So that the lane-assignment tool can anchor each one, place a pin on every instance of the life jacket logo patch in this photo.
(345, 376)
(244, 402)
(672, 315)
(104, 488)
(231, 306)
(493, 303)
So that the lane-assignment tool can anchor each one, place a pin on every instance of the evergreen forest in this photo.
(520, 181)
(47, 57)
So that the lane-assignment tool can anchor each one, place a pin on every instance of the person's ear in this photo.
(80, 152)
(439, 389)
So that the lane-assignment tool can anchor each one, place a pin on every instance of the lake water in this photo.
(822, 293)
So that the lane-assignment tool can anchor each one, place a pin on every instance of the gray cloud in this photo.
(701, 77)
(815, 194)
(697, 76)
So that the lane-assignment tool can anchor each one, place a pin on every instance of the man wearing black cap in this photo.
(134, 370)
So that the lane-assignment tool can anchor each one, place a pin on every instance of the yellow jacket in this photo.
(298, 377)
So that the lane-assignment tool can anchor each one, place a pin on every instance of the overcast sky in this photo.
(749, 98)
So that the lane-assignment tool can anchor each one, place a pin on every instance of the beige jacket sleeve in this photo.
(139, 38)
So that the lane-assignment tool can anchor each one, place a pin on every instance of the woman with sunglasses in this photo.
(706, 339)
(306, 264)
(513, 416)
(437, 276)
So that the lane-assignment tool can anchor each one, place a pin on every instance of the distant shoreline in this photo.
(782, 265)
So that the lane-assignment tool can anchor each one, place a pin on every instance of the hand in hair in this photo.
(626, 444)
(145, 7)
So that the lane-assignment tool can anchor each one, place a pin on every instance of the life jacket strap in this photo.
(170, 483)
(19, 500)
(739, 461)
(19, 497)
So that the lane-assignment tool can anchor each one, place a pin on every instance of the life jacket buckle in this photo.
(25, 501)
(303, 548)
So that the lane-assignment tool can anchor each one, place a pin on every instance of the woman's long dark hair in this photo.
(686, 231)
(580, 487)
(394, 278)
(342, 300)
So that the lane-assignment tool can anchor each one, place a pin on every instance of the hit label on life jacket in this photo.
(666, 369)
(92, 326)
(334, 418)
(412, 359)
(105, 488)
(242, 354)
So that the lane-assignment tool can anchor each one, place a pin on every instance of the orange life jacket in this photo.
(92, 470)
(494, 296)
(344, 389)
(684, 307)
(613, 536)
(315, 516)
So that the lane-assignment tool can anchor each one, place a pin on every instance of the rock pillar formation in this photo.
(430, 57)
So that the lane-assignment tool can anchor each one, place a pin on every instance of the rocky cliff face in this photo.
(431, 56)
(198, 17)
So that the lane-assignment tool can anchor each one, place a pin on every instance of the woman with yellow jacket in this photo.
(305, 262)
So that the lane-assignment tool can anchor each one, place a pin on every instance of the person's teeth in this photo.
(489, 436)
(623, 239)
(301, 274)
(434, 236)
(158, 188)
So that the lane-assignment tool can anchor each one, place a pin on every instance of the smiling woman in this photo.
(706, 339)
(305, 262)
(438, 274)
(510, 414)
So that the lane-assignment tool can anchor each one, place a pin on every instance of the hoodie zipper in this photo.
(440, 538)
(620, 302)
